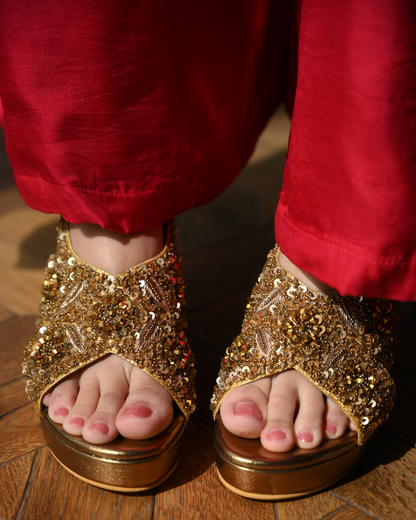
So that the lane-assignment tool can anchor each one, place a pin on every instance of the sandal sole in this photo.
(122, 465)
(249, 470)
(116, 488)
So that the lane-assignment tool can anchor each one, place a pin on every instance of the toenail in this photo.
(305, 436)
(330, 428)
(137, 410)
(249, 409)
(77, 421)
(100, 427)
(61, 412)
(276, 435)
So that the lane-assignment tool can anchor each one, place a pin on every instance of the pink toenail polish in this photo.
(305, 436)
(61, 412)
(330, 428)
(77, 421)
(248, 409)
(276, 435)
(137, 410)
(100, 427)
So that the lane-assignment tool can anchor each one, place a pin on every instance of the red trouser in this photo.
(126, 113)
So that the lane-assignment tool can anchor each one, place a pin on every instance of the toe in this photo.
(109, 394)
(101, 426)
(46, 398)
(336, 422)
(147, 410)
(309, 421)
(85, 405)
(244, 410)
(278, 434)
(62, 399)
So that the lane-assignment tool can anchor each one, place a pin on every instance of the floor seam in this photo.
(329, 515)
(22, 508)
(14, 409)
(11, 381)
(356, 506)
(5, 463)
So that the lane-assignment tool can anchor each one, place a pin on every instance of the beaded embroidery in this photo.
(344, 345)
(138, 315)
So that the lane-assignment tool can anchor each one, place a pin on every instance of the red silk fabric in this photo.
(127, 113)
(347, 211)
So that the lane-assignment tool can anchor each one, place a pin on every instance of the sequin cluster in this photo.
(86, 313)
(344, 345)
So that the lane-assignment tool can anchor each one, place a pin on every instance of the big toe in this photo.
(147, 410)
(244, 409)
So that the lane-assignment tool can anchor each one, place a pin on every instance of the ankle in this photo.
(306, 278)
(111, 251)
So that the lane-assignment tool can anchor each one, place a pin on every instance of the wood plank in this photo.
(13, 480)
(20, 283)
(55, 493)
(20, 433)
(248, 204)
(135, 507)
(194, 490)
(27, 237)
(384, 485)
(5, 314)
(309, 508)
(349, 513)
(10, 198)
(12, 396)
(31, 230)
(14, 334)
(274, 136)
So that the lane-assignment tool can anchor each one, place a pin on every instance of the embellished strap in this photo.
(343, 345)
(86, 313)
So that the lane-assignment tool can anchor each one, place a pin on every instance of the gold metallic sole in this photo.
(122, 465)
(115, 488)
(249, 470)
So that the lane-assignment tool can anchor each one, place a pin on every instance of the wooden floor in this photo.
(224, 246)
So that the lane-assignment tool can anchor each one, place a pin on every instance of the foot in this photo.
(111, 396)
(285, 410)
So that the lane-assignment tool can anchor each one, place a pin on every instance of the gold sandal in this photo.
(139, 315)
(343, 345)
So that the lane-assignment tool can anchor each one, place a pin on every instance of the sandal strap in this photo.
(343, 345)
(86, 313)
